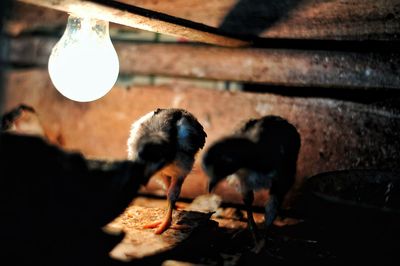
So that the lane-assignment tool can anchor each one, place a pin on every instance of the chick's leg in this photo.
(271, 210)
(172, 196)
(166, 182)
(248, 198)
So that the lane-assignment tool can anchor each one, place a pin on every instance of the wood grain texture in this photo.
(288, 67)
(286, 19)
(273, 66)
(143, 19)
(308, 19)
(335, 135)
(139, 243)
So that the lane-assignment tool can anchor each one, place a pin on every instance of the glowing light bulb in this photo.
(83, 65)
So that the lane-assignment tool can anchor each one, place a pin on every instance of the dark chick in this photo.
(58, 201)
(172, 137)
(262, 154)
(22, 120)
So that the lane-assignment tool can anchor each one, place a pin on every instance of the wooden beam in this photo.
(142, 19)
(273, 66)
(307, 19)
(294, 19)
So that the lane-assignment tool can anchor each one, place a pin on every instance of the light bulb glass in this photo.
(83, 65)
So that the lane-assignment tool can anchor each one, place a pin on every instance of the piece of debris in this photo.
(279, 221)
(139, 243)
(205, 203)
(179, 263)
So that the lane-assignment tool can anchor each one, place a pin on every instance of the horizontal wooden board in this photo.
(272, 66)
(286, 67)
(143, 19)
(335, 135)
(286, 19)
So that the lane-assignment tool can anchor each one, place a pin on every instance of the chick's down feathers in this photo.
(261, 154)
(172, 137)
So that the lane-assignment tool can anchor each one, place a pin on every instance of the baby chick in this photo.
(262, 154)
(23, 120)
(170, 136)
(59, 201)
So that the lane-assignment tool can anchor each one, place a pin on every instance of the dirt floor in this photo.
(214, 235)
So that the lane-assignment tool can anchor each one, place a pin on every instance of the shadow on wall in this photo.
(252, 17)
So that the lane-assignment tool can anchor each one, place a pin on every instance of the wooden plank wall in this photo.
(335, 134)
(350, 46)
(273, 66)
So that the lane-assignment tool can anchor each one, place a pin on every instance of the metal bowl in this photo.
(372, 190)
(360, 210)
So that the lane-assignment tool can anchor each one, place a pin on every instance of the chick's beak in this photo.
(150, 169)
(209, 170)
(211, 186)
